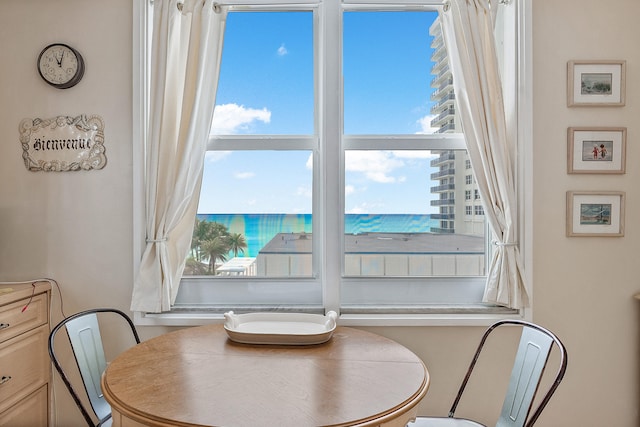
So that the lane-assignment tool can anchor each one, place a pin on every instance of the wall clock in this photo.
(61, 65)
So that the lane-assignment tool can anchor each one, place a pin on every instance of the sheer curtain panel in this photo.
(185, 63)
(468, 33)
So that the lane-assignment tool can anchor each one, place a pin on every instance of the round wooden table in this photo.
(199, 377)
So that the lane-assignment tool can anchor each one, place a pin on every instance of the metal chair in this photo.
(83, 332)
(531, 358)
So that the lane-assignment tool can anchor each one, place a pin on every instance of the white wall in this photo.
(77, 227)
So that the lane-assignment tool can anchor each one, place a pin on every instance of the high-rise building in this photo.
(459, 206)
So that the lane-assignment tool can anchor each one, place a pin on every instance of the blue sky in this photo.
(266, 87)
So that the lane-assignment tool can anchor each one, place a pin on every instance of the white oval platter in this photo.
(280, 328)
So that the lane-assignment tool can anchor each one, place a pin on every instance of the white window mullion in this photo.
(330, 156)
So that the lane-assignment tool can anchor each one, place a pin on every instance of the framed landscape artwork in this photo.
(596, 150)
(595, 213)
(596, 83)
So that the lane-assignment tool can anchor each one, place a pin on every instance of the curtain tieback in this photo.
(164, 239)
(496, 243)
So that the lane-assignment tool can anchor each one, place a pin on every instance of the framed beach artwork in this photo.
(596, 150)
(596, 83)
(595, 213)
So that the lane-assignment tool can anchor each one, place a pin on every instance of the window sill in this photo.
(479, 315)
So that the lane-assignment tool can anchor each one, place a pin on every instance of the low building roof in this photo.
(383, 243)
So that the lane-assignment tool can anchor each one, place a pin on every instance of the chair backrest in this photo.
(83, 331)
(531, 358)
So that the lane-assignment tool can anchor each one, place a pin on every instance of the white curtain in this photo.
(185, 64)
(468, 33)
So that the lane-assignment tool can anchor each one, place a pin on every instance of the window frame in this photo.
(516, 58)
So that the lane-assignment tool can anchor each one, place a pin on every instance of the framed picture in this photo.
(596, 150)
(595, 213)
(596, 83)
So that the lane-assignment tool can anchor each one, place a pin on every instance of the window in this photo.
(334, 166)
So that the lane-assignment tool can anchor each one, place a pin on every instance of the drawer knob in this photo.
(4, 379)
(4, 325)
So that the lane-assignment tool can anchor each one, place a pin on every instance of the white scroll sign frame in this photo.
(63, 143)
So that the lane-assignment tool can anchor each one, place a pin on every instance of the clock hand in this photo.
(60, 61)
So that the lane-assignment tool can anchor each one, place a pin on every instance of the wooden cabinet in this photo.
(25, 370)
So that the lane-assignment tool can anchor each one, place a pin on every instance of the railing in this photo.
(445, 128)
(443, 158)
(443, 173)
(443, 216)
(443, 102)
(451, 111)
(443, 202)
(443, 230)
(444, 187)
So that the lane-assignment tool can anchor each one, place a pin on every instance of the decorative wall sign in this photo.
(63, 143)
(595, 213)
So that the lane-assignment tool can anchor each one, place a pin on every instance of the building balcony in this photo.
(446, 115)
(444, 89)
(443, 216)
(435, 28)
(443, 173)
(443, 79)
(443, 202)
(447, 100)
(439, 54)
(441, 188)
(447, 128)
(444, 157)
(443, 230)
(439, 66)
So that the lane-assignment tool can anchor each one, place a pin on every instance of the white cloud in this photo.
(349, 189)
(356, 210)
(229, 119)
(425, 125)
(375, 165)
(414, 154)
(304, 191)
(244, 175)
(365, 208)
(282, 50)
(214, 156)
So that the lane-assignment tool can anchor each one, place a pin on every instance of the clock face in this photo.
(61, 66)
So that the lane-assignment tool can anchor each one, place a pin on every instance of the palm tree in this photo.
(237, 243)
(211, 242)
(216, 249)
(201, 233)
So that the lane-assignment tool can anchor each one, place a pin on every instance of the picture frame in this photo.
(596, 150)
(595, 213)
(596, 83)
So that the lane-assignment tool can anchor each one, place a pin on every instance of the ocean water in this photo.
(259, 229)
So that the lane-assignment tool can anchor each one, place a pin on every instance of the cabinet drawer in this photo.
(24, 365)
(30, 412)
(14, 321)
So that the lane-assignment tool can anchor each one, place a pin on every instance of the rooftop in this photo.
(383, 243)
